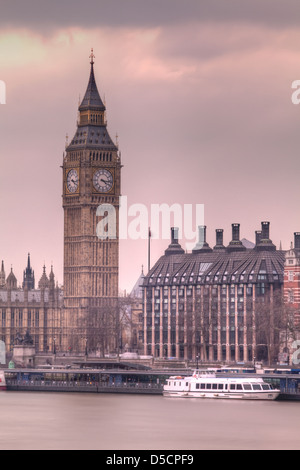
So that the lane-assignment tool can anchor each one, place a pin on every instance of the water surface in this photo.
(37, 421)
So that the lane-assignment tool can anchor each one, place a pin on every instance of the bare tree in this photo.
(104, 326)
(269, 322)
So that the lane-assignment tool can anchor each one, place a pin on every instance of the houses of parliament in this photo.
(60, 319)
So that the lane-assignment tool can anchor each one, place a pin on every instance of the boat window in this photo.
(208, 386)
(265, 387)
(256, 387)
(197, 386)
(186, 384)
(239, 387)
(215, 386)
(232, 386)
(247, 387)
(202, 386)
(220, 386)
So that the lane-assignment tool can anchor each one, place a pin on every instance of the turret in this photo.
(28, 276)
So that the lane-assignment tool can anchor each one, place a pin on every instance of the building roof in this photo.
(263, 263)
(34, 296)
(92, 137)
(92, 99)
(137, 291)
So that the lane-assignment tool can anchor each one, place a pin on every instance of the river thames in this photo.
(69, 421)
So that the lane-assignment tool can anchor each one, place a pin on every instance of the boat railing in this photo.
(205, 372)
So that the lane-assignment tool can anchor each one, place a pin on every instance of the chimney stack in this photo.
(235, 244)
(265, 228)
(219, 240)
(202, 246)
(174, 235)
(263, 242)
(174, 248)
(235, 232)
(202, 234)
(258, 236)
(297, 240)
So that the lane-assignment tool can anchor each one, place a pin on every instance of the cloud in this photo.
(46, 16)
(201, 103)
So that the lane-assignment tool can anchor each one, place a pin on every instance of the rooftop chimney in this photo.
(219, 240)
(174, 248)
(265, 228)
(202, 246)
(174, 235)
(297, 240)
(258, 236)
(236, 244)
(264, 242)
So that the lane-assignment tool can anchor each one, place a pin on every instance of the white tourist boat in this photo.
(208, 385)
(2, 381)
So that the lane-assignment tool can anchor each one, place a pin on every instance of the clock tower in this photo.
(91, 180)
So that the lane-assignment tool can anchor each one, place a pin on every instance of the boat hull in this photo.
(268, 395)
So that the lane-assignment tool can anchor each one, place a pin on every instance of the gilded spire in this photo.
(92, 99)
(92, 56)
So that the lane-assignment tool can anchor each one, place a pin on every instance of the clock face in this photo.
(72, 181)
(103, 181)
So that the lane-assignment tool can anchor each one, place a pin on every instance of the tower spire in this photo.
(92, 99)
(2, 275)
(91, 119)
(92, 56)
(28, 276)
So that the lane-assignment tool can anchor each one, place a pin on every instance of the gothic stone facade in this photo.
(86, 309)
(30, 309)
(91, 189)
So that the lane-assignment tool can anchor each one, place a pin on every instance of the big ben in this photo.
(91, 179)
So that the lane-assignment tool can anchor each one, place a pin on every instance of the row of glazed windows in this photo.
(206, 290)
(222, 386)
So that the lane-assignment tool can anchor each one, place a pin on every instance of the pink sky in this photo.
(200, 100)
